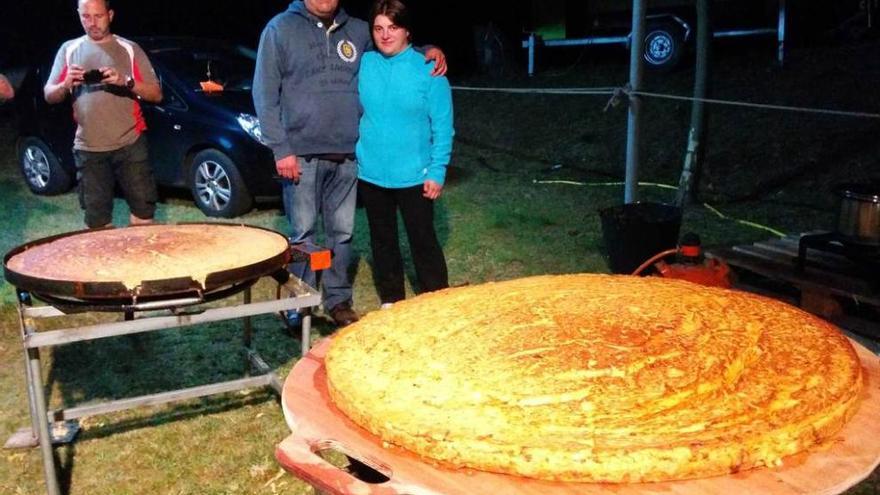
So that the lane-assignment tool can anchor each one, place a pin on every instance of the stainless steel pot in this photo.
(858, 220)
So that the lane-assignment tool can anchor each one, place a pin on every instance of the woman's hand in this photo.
(431, 190)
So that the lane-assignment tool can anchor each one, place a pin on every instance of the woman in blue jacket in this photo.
(404, 147)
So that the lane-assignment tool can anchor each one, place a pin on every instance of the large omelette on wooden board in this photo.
(596, 378)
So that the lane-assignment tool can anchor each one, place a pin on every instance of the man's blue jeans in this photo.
(326, 190)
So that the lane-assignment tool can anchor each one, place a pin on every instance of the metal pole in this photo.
(633, 134)
(246, 321)
(37, 400)
(305, 343)
(780, 34)
(693, 159)
(25, 331)
(35, 389)
(531, 54)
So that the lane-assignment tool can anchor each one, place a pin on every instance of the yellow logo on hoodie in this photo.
(346, 50)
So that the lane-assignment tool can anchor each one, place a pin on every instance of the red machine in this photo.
(690, 264)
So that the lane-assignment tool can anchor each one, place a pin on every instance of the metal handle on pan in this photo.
(299, 457)
(165, 303)
(184, 301)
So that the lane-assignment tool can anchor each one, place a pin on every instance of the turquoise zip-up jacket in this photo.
(406, 128)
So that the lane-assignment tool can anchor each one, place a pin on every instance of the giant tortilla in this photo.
(141, 253)
(596, 378)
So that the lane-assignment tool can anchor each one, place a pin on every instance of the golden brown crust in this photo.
(596, 378)
(149, 252)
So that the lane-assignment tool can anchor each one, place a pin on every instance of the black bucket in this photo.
(634, 232)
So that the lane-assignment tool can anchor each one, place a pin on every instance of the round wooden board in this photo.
(317, 424)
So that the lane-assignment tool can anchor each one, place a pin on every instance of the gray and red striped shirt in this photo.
(108, 118)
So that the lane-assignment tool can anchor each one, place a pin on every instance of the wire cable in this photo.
(553, 91)
(765, 106)
(626, 90)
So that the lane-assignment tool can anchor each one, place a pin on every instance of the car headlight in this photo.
(251, 126)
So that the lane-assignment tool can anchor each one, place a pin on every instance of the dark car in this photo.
(207, 141)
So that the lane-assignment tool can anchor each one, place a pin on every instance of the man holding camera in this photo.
(107, 76)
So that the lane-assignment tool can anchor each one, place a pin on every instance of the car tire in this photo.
(41, 169)
(664, 45)
(217, 186)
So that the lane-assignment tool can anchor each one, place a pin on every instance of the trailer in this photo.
(669, 26)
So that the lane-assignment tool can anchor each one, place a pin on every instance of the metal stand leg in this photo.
(298, 296)
(306, 333)
(38, 399)
(246, 321)
(29, 379)
(247, 334)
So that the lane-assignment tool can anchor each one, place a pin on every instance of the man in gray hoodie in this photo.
(305, 94)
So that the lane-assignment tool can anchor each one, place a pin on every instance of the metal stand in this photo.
(295, 295)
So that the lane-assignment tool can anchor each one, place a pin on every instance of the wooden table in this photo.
(318, 425)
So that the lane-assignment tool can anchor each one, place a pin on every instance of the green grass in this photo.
(495, 222)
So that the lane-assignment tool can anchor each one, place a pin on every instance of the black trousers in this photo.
(381, 205)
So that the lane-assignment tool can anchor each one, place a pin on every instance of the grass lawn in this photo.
(503, 215)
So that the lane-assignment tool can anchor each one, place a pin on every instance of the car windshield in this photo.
(230, 66)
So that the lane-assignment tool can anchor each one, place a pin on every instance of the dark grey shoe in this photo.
(343, 315)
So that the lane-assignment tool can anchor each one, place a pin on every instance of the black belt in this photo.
(330, 157)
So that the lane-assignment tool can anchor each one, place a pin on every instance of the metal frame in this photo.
(298, 295)
(531, 41)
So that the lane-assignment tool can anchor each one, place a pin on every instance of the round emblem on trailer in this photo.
(346, 50)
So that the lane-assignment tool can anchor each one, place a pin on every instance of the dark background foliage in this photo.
(33, 28)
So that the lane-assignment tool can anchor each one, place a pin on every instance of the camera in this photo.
(93, 76)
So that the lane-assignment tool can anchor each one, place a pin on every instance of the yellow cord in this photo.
(665, 186)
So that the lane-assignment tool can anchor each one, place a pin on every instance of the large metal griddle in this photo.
(150, 294)
(152, 306)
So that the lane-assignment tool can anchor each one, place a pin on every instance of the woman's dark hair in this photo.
(395, 10)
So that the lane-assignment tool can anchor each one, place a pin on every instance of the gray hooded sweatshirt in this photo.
(306, 80)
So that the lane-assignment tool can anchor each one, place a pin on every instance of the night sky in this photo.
(35, 28)
(38, 27)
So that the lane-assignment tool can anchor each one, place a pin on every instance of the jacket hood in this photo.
(299, 7)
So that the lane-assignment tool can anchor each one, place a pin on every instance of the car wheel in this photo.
(41, 169)
(663, 47)
(217, 186)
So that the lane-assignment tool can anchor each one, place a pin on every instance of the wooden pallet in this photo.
(825, 281)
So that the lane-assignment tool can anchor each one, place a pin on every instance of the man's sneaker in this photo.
(343, 315)
(386, 306)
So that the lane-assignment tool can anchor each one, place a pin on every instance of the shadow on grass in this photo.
(115, 368)
(65, 455)
(183, 411)
(65, 460)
